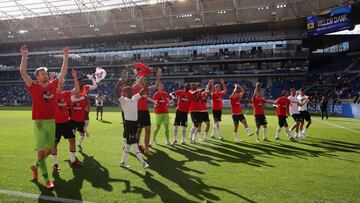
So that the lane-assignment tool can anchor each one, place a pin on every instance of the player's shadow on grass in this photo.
(176, 171)
(210, 151)
(43, 191)
(156, 188)
(93, 172)
(267, 150)
(106, 122)
(290, 149)
(192, 156)
(333, 144)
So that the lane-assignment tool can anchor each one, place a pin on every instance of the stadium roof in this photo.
(38, 20)
(20, 9)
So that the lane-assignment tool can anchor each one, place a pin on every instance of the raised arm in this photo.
(23, 66)
(222, 81)
(94, 85)
(257, 88)
(242, 91)
(158, 76)
(157, 82)
(210, 86)
(65, 64)
(76, 89)
(236, 88)
(139, 82)
(234, 91)
(144, 87)
(122, 80)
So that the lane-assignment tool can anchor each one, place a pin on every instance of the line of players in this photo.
(193, 99)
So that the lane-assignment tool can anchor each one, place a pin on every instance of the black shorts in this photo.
(282, 121)
(195, 117)
(204, 117)
(79, 126)
(122, 116)
(144, 118)
(217, 115)
(260, 120)
(297, 117)
(181, 119)
(99, 109)
(305, 115)
(238, 117)
(130, 130)
(63, 129)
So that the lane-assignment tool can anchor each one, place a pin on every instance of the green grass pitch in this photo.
(324, 167)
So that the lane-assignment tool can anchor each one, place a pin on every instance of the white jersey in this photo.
(99, 102)
(302, 99)
(294, 107)
(129, 107)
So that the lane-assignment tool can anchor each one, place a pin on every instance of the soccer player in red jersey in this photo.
(194, 111)
(204, 114)
(79, 109)
(217, 105)
(63, 125)
(260, 119)
(282, 109)
(182, 110)
(42, 93)
(162, 100)
(84, 91)
(144, 120)
(236, 111)
(198, 111)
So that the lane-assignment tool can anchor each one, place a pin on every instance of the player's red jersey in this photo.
(235, 105)
(162, 99)
(194, 102)
(63, 101)
(43, 100)
(202, 103)
(283, 104)
(217, 100)
(258, 105)
(79, 109)
(184, 100)
(142, 102)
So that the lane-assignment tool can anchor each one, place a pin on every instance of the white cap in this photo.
(41, 68)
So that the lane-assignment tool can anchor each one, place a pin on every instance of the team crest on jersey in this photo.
(184, 99)
(61, 102)
(48, 95)
(77, 106)
(161, 100)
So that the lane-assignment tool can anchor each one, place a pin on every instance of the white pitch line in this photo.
(339, 126)
(42, 197)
